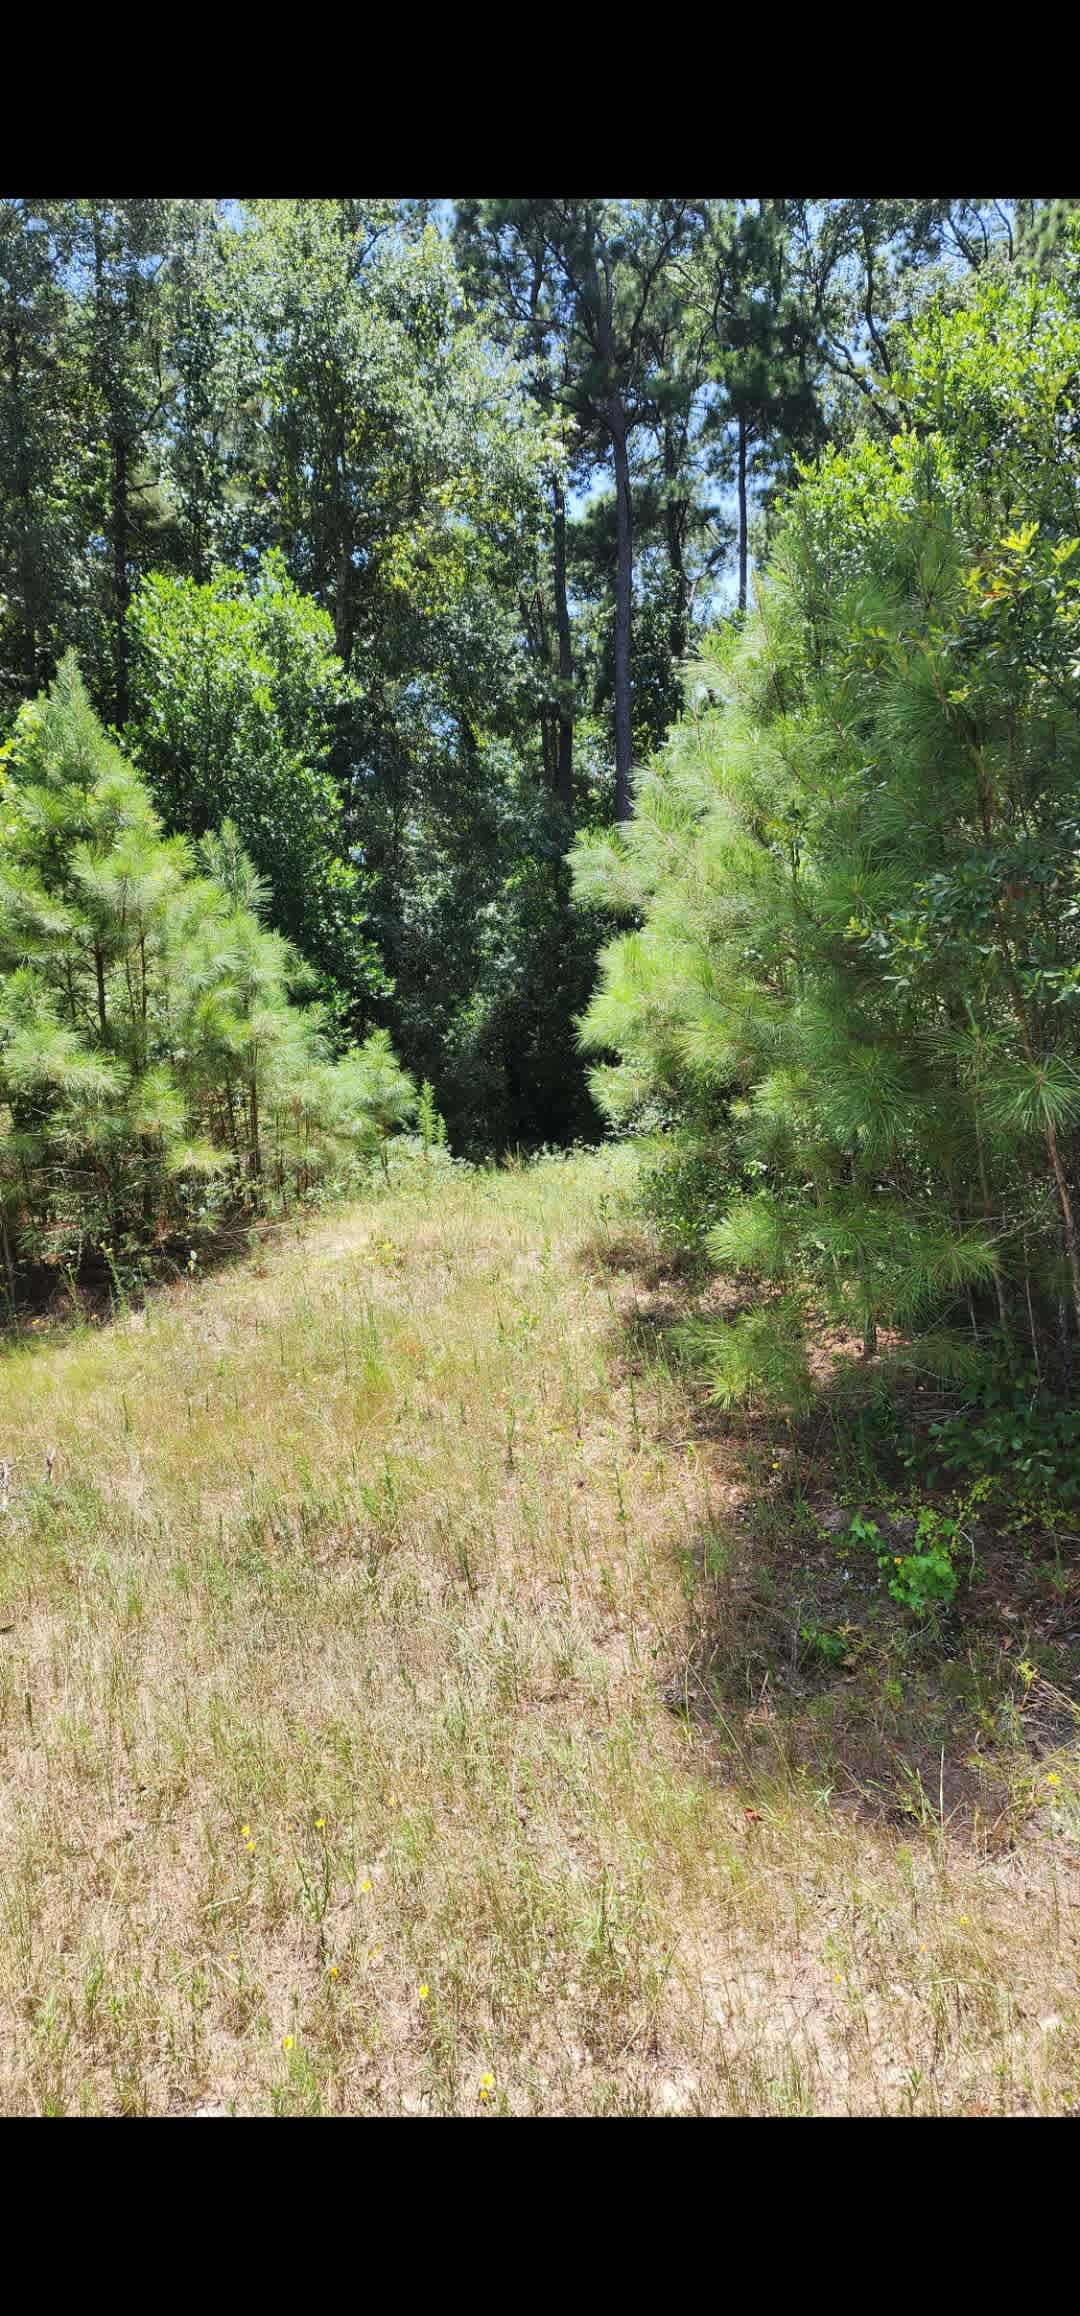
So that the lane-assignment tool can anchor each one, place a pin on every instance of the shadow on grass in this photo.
(796, 1662)
(52, 1303)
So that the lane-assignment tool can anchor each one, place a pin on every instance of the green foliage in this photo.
(926, 1578)
(153, 1071)
(683, 1192)
(853, 873)
(831, 1648)
(1026, 1441)
(431, 1127)
(237, 702)
(757, 1360)
(512, 1069)
(320, 492)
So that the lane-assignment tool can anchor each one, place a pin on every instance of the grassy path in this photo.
(337, 1770)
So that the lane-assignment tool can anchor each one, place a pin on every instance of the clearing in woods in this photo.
(381, 1731)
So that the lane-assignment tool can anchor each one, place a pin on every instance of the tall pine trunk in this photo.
(564, 769)
(623, 584)
(742, 514)
(117, 516)
(9, 1259)
(121, 581)
(256, 1147)
(24, 494)
(678, 623)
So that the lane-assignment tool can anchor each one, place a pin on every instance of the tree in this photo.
(765, 412)
(119, 253)
(42, 551)
(616, 260)
(507, 262)
(149, 1050)
(854, 871)
(208, 422)
(238, 698)
(860, 266)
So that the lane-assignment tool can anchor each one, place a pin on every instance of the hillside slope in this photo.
(340, 1644)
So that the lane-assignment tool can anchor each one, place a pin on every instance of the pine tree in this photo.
(854, 872)
(149, 1041)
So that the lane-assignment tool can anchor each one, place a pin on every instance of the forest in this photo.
(540, 1154)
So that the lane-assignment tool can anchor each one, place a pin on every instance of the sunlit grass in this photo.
(338, 1771)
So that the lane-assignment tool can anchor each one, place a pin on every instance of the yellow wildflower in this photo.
(487, 2085)
(424, 1992)
(319, 1824)
(1053, 1778)
(287, 2042)
(365, 1885)
(245, 1833)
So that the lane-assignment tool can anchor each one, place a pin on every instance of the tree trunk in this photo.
(623, 584)
(673, 524)
(9, 1262)
(564, 770)
(121, 586)
(1068, 1218)
(256, 1153)
(26, 560)
(742, 514)
(548, 748)
(117, 522)
(342, 605)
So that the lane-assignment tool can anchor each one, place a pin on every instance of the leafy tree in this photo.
(238, 699)
(860, 266)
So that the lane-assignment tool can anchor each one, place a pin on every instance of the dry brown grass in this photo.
(379, 1547)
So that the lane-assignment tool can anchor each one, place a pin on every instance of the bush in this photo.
(1024, 1440)
(683, 1193)
(926, 1578)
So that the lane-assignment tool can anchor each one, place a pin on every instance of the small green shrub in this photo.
(832, 1648)
(683, 1194)
(1028, 1440)
(924, 1579)
(431, 1126)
